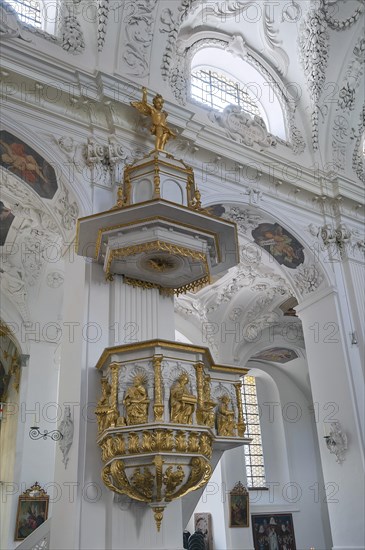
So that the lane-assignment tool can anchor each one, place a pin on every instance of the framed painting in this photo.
(273, 531)
(239, 506)
(32, 511)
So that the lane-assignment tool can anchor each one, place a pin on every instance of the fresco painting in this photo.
(20, 159)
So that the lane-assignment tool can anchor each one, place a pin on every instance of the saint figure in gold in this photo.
(159, 126)
(225, 417)
(182, 402)
(206, 414)
(136, 402)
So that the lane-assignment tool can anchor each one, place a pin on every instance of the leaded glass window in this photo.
(254, 456)
(217, 92)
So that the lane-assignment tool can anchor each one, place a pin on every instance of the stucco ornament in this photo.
(336, 441)
(103, 14)
(358, 159)
(313, 40)
(66, 428)
(314, 52)
(72, 35)
(12, 284)
(342, 131)
(307, 279)
(242, 127)
(139, 34)
(67, 209)
(246, 219)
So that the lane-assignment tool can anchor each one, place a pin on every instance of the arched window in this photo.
(218, 78)
(254, 456)
(42, 14)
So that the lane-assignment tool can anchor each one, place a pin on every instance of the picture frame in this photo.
(274, 530)
(32, 511)
(239, 504)
(203, 523)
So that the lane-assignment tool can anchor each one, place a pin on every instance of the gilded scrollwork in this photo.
(172, 479)
(205, 447)
(180, 442)
(143, 481)
(193, 442)
(200, 473)
(157, 453)
(133, 443)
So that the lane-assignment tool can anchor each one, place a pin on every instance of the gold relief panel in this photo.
(156, 441)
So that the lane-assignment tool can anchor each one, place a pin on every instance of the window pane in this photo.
(255, 470)
(218, 92)
(28, 11)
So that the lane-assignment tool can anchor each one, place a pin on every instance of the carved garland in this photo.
(358, 156)
(345, 105)
(314, 52)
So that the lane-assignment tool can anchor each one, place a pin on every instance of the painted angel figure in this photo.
(159, 126)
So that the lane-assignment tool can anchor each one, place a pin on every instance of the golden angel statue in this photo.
(159, 126)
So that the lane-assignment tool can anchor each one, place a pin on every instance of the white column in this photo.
(125, 315)
(333, 369)
(66, 510)
(138, 314)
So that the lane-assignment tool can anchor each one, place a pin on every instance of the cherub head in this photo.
(158, 102)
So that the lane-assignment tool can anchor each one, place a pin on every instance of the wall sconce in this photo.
(336, 441)
(35, 433)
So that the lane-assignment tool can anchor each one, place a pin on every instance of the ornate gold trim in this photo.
(190, 287)
(200, 474)
(158, 408)
(241, 426)
(159, 246)
(158, 515)
(152, 440)
(151, 219)
(169, 345)
(163, 201)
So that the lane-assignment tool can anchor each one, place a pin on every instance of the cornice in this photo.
(93, 97)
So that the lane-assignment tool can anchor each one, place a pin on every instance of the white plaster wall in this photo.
(330, 374)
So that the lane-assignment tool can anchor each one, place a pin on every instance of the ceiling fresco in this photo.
(277, 355)
(20, 159)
